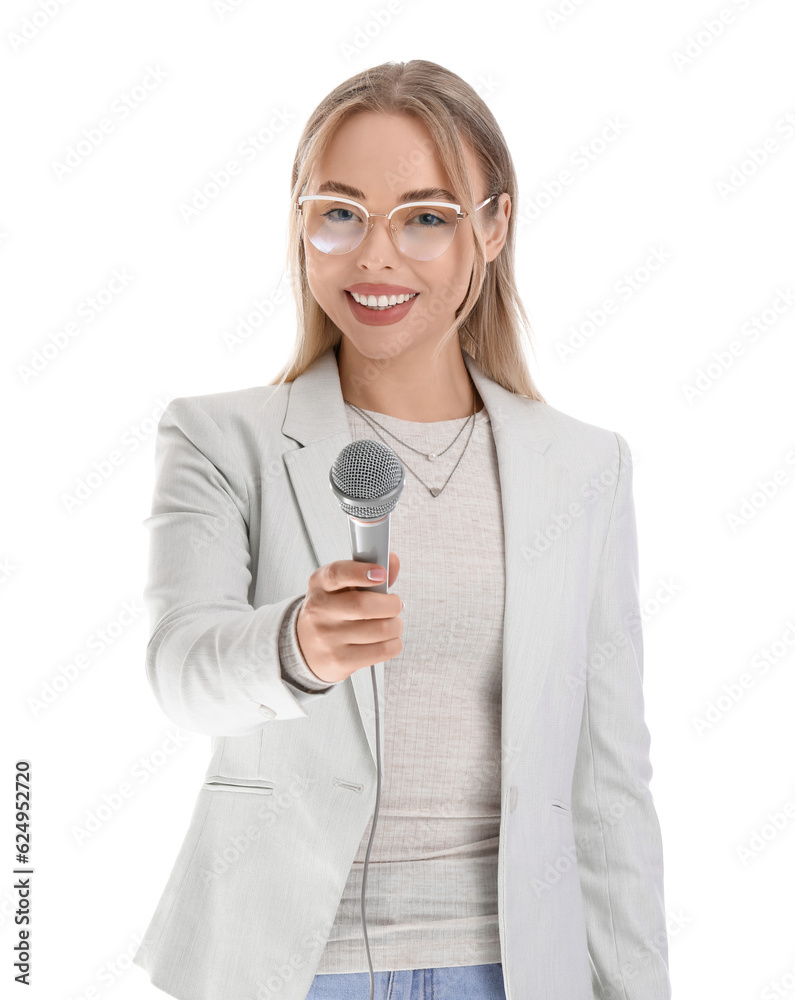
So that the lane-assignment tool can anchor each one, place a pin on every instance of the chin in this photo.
(372, 348)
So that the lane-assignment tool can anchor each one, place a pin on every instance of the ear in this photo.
(498, 231)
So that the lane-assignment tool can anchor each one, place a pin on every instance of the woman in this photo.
(517, 851)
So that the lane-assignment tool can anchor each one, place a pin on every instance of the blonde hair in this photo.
(491, 322)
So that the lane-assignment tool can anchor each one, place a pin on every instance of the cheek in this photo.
(322, 274)
(452, 278)
(313, 264)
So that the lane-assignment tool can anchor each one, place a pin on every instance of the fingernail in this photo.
(402, 605)
(379, 573)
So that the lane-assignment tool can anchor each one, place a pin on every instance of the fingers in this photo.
(346, 573)
(394, 567)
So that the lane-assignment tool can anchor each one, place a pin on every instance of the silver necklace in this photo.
(433, 490)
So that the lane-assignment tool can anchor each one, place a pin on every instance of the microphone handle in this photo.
(370, 543)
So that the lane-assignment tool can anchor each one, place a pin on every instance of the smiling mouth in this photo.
(380, 302)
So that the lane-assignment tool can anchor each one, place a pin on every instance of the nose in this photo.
(378, 243)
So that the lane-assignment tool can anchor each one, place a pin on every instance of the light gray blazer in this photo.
(242, 514)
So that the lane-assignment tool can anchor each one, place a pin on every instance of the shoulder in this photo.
(235, 412)
(223, 406)
(238, 431)
(587, 450)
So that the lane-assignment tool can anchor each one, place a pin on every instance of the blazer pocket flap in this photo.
(560, 807)
(225, 783)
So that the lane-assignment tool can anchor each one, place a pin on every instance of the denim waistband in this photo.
(460, 982)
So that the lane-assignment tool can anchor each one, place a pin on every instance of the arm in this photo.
(212, 659)
(617, 833)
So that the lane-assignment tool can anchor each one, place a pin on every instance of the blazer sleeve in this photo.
(617, 833)
(212, 659)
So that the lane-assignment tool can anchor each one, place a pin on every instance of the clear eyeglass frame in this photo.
(460, 214)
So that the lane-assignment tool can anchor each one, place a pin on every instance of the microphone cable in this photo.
(372, 829)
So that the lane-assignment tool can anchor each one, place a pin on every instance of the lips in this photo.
(380, 317)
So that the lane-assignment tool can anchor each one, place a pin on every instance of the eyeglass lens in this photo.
(423, 232)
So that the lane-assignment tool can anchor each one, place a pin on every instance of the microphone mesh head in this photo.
(367, 470)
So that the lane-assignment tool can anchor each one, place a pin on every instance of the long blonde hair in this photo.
(491, 322)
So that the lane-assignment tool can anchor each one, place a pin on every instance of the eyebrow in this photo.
(419, 194)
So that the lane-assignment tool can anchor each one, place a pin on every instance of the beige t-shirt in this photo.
(432, 874)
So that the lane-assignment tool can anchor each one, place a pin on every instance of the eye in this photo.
(334, 218)
(429, 219)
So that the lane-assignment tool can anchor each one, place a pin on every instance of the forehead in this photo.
(376, 158)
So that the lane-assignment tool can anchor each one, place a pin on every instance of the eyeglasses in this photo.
(420, 229)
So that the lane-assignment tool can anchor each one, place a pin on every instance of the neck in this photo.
(408, 386)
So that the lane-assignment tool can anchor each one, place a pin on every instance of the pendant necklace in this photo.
(433, 490)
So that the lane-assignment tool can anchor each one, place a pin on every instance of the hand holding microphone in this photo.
(342, 628)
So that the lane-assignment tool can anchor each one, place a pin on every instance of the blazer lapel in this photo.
(535, 495)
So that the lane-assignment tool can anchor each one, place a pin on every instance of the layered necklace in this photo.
(431, 456)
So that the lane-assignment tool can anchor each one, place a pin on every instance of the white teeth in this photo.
(381, 301)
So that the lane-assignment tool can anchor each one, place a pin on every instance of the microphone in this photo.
(367, 479)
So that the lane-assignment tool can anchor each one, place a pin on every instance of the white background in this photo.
(716, 583)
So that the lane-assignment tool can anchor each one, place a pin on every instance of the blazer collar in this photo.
(536, 496)
(307, 422)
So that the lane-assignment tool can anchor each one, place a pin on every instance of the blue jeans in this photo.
(460, 982)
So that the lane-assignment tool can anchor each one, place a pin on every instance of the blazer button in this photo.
(267, 712)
